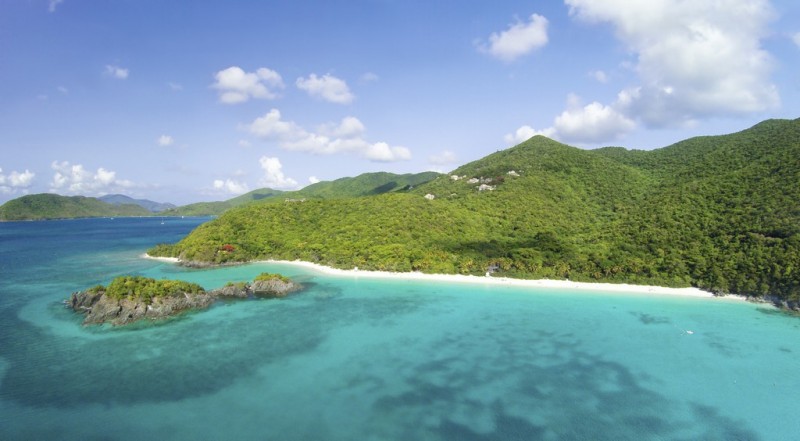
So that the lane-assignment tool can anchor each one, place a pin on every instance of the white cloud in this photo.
(592, 123)
(369, 77)
(244, 143)
(75, 179)
(175, 86)
(350, 127)
(443, 158)
(273, 174)
(344, 137)
(165, 140)
(237, 86)
(313, 179)
(16, 181)
(525, 133)
(796, 39)
(694, 59)
(326, 87)
(599, 76)
(230, 186)
(382, 152)
(52, 5)
(63, 90)
(519, 39)
(116, 72)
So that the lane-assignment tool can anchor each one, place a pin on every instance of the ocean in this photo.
(354, 358)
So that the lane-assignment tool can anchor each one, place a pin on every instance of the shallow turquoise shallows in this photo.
(369, 359)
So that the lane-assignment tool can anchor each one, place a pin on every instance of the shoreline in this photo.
(622, 288)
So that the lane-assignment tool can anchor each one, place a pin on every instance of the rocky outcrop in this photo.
(273, 288)
(100, 308)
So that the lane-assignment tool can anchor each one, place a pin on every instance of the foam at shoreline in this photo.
(488, 280)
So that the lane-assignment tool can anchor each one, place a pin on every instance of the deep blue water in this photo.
(366, 359)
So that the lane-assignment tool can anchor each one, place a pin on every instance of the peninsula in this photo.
(719, 213)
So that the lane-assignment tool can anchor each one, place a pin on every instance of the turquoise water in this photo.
(366, 359)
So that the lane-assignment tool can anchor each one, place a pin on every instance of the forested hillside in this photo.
(53, 206)
(721, 213)
(361, 185)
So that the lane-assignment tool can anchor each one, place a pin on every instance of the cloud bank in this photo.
(75, 179)
(344, 137)
(15, 181)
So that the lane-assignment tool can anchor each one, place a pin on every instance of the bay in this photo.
(369, 359)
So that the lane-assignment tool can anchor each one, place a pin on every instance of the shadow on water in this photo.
(537, 387)
(184, 358)
(649, 319)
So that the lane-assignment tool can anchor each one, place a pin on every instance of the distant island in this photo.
(130, 299)
(721, 213)
(51, 206)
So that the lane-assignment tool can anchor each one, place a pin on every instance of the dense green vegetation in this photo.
(720, 212)
(151, 206)
(266, 277)
(146, 289)
(52, 206)
(362, 185)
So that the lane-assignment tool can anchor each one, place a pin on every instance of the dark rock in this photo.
(238, 290)
(100, 308)
(273, 288)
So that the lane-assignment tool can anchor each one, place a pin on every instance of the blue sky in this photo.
(185, 101)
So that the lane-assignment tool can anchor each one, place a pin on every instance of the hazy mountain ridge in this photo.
(119, 199)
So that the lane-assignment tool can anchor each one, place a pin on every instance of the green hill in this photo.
(366, 184)
(52, 206)
(216, 208)
(120, 199)
(721, 213)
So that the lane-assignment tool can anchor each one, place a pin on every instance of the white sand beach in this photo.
(490, 280)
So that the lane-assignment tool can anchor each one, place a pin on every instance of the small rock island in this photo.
(129, 299)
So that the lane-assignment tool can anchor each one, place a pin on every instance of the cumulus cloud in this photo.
(165, 140)
(53, 4)
(526, 132)
(230, 186)
(326, 87)
(693, 59)
(313, 179)
(75, 179)
(237, 86)
(117, 72)
(519, 39)
(15, 181)
(443, 158)
(273, 174)
(592, 123)
(345, 137)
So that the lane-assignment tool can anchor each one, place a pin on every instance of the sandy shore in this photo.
(486, 280)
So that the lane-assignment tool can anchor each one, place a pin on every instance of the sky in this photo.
(187, 101)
